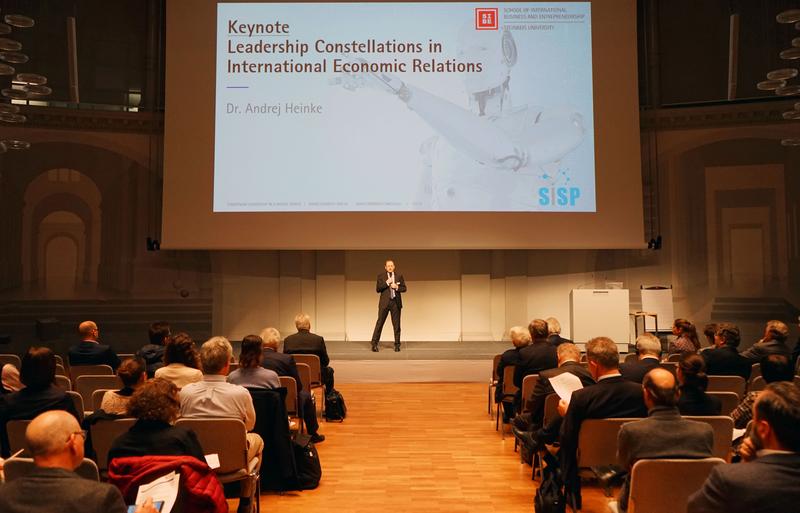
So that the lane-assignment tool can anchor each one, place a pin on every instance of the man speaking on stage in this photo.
(390, 286)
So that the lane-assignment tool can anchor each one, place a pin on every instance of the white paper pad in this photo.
(212, 460)
(165, 488)
(564, 384)
(738, 432)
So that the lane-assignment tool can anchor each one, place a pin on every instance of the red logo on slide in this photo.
(486, 18)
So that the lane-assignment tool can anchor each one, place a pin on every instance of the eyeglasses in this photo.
(82, 432)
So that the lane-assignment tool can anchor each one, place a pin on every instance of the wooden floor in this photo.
(423, 447)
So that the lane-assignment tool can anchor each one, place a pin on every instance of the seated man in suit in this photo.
(539, 355)
(89, 351)
(648, 350)
(520, 338)
(568, 361)
(554, 332)
(55, 441)
(773, 342)
(611, 397)
(305, 342)
(724, 359)
(284, 365)
(663, 434)
(153, 353)
(767, 481)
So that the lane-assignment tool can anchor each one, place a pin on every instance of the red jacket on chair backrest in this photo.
(201, 491)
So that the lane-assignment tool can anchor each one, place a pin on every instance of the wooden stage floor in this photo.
(418, 447)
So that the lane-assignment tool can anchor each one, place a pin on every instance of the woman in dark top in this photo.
(40, 394)
(155, 405)
(693, 383)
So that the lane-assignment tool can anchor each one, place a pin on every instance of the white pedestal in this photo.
(600, 313)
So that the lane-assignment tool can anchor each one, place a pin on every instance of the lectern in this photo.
(600, 313)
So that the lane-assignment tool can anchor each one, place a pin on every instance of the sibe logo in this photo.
(558, 196)
(486, 18)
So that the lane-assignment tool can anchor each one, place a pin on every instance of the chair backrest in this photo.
(291, 395)
(314, 365)
(729, 401)
(60, 370)
(63, 383)
(13, 359)
(87, 384)
(15, 468)
(77, 401)
(597, 441)
(723, 433)
(755, 371)
(509, 388)
(15, 429)
(104, 432)
(550, 408)
(224, 437)
(664, 486)
(97, 397)
(495, 361)
(91, 370)
(758, 384)
(726, 384)
(304, 372)
(60, 361)
(528, 384)
(674, 357)
(670, 366)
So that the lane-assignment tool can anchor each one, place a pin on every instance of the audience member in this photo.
(181, 361)
(554, 332)
(90, 351)
(40, 394)
(539, 355)
(153, 352)
(774, 368)
(305, 342)
(687, 341)
(250, 372)
(710, 331)
(132, 372)
(284, 365)
(155, 405)
(55, 441)
(724, 359)
(767, 481)
(10, 379)
(214, 397)
(611, 397)
(648, 351)
(693, 384)
(773, 342)
(663, 434)
(520, 338)
(568, 361)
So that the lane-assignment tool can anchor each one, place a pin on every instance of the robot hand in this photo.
(385, 82)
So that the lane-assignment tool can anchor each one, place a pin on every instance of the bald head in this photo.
(50, 435)
(660, 388)
(88, 330)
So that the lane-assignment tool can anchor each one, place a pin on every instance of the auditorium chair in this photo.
(758, 384)
(90, 370)
(85, 385)
(493, 381)
(63, 383)
(60, 370)
(664, 486)
(597, 443)
(674, 357)
(755, 371)
(550, 412)
(729, 401)
(734, 384)
(292, 401)
(10, 358)
(315, 372)
(14, 468)
(97, 397)
(77, 401)
(723, 433)
(103, 434)
(528, 384)
(509, 391)
(15, 431)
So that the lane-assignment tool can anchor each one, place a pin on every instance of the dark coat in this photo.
(556, 340)
(535, 358)
(278, 470)
(385, 291)
(153, 356)
(92, 353)
(696, 402)
(543, 388)
(155, 438)
(635, 370)
(282, 364)
(305, 342)
(509, 357)
(726, 361)
(759, 350)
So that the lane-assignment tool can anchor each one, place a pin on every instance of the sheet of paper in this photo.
(738, 432)
(564, 384)
(212, 460)
(165, 488)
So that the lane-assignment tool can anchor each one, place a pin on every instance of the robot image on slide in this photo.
(494, 156)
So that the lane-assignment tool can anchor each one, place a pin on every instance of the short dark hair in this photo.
(710, 330)
(775, 367)
(38, 369)
(158, 332)
(693, 370)
(250, 356)
(603, 351)
(130, 371)
(662, 396)
(538, 329)
(729, 333)
(181, 349)
(779, 405)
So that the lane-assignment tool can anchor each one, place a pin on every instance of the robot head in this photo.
(497, 53)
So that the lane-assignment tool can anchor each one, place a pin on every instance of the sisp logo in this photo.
(486, 18)
(558, 196)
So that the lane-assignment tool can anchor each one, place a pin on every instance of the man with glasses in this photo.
(90, 351)
(55, 440)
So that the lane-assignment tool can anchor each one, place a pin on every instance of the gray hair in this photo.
(603, 351)
(271, 337)
(302, 322)
(520, 336)
(215, 354)
(647, 343)
(553, 326)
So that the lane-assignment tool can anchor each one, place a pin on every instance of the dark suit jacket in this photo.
(383, 289)
(664, 434)
(305, 342)
(696, 402)
(761, 349)
(768, 484)
(155, 438)
(91, 353)
(282, 364)
(535, 358)
(726, 361)
(543, 388)
(555, 340)
(45, 490)
(635, 370)
(509, 357)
